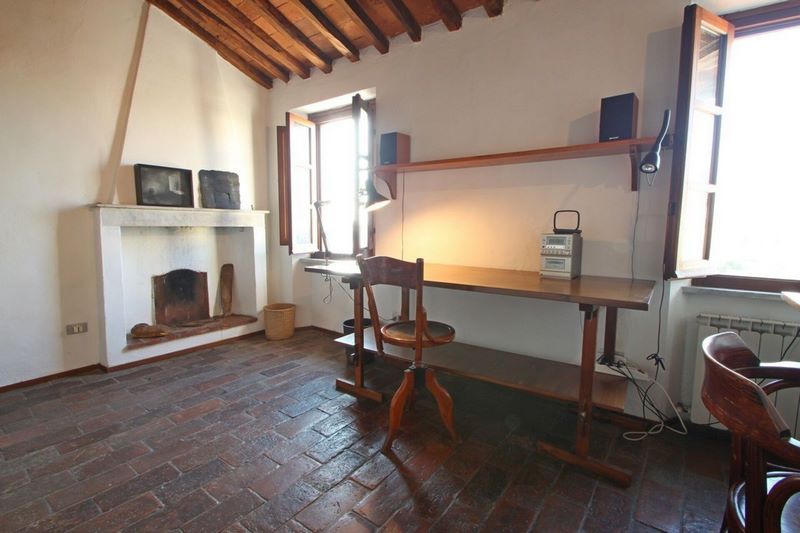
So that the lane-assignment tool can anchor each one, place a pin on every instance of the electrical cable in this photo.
(789, 347)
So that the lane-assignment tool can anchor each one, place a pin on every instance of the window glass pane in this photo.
(301, 205)
(337, 183)
(363, 176)
(708, 66)
(301, 144)
(759, 185)
(700, 150)
(691, 244)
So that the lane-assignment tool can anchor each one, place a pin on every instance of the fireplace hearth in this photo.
(180, 298)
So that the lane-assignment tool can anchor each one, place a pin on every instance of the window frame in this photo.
(748, 22)
(284, 179)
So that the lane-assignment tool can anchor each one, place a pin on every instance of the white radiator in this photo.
(768, 339)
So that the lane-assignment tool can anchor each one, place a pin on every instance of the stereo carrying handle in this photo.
(558, 230)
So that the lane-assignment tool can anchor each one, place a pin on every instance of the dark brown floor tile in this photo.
(335, 422)
(67, 518)
(330, 447)
(108, 461)
(250, 448)
(161, 455)
(508, 518)
(334, 471)
(11, 480)
(34, 490)
(232, 482)
(459, 517)
(659, 506)
(294, 426)
(188, 482)
(197, 411)
(173, 517)
(331, 505)
(22, 516)
(280, 509)
(202, 454)
(294, 446)
(609, 510)
(575, 484)
(283, 477)
(40, 441)
(371, 473)
(559, 514)
(485, 488)
(435, 495)
(89, 487)
(124, 515)
(149, 480)
(387, 498)
(351, 523)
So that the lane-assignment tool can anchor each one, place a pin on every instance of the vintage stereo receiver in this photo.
(561, 251)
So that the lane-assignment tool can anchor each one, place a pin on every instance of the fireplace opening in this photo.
(180, 301)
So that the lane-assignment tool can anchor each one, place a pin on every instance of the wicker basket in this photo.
(279, 321)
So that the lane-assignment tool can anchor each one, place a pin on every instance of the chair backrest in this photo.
(741, 405)
(382, 270)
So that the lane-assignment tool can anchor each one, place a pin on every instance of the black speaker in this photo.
(618, 117)
(395, 148)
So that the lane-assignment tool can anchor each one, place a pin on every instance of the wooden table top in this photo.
(594, 290)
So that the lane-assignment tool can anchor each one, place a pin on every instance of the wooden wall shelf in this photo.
(631, 147)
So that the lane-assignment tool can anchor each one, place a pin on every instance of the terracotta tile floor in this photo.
(252, 436)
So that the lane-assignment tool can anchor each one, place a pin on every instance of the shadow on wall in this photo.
(111, 172)
(78, 283)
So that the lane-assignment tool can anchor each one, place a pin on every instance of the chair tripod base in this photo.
(404, 395)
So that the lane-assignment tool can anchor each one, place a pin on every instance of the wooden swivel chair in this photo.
(415, 334)
(760, 498)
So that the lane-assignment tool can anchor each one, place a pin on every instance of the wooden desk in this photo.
(559, 381)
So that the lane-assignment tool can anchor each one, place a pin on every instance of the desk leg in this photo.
(610, 338)
(356, 387)
(580, 457)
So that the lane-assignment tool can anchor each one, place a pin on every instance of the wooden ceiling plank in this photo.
(401, 11)
(327, 29)
(221, 32)
(364, 23)
(493, 7)
(248, 30)
(282, 24)
(226, 53)
(449, 13)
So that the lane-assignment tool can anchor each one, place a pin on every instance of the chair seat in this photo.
(790, 518)
(403, 333)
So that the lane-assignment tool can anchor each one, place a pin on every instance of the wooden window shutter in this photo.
(705, 46)
(297, 184)
(284, 189)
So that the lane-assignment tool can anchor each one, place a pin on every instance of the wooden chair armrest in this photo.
(776, 501)
(782, 370)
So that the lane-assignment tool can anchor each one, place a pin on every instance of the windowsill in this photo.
(695, 290)
(319, 261)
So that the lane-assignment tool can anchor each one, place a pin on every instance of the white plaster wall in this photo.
(65, 75)
(530, 78)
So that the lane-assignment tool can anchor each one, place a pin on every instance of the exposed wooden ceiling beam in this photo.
(228, 54)
(449, 13)
(318, 19)
(303, 44)
(233, 40)
(493, 7)
(367, 26)
(238, 22)
(401, 11)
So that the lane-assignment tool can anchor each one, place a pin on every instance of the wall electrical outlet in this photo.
(74, 329)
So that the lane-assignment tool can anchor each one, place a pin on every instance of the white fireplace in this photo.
(138, 242)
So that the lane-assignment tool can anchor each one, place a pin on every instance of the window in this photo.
(730, 217)
(323, 165)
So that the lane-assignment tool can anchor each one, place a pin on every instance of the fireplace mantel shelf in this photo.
(151, 216)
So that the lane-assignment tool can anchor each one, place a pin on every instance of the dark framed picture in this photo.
(163, 186)
(219, 189)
